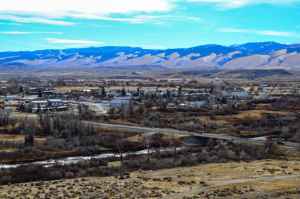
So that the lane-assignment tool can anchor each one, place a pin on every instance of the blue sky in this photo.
(47, 24)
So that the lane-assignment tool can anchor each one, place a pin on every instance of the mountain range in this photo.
(263, 55)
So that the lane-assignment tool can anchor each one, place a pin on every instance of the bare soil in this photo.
(251, 180)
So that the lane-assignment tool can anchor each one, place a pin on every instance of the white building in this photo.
(98, 108)
(119, 102)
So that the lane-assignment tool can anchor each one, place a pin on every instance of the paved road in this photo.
(138, 129)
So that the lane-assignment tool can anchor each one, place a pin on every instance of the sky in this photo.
(152, 24)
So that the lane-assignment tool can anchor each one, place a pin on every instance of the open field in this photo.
(64, 89)
(259, 179)
(244, 115)
(11, 137)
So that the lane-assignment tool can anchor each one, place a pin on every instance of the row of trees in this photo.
(64, 126)
(5, 118)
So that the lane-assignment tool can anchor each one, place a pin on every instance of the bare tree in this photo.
(147, 142)
(120, 144)
(152, 119)
(4, 118)
(28, 128)
(46, 123)
(175, 143)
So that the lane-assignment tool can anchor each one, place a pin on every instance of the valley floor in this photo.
(259, 179)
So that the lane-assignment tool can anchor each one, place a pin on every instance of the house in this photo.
(240, 94)
(198, 104)
(103, 107)
(57, 105)
(98, 108)
(171, 106)
(119, 102)
(36, 106)
(12, 100)
(235, 93)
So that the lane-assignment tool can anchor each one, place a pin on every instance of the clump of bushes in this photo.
(31, 172)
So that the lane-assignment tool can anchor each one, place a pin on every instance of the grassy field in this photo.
(259, 179)
(250, 114)
(64, 89)
(11, 137)
(231, 123)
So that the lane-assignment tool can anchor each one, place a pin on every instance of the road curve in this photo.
(139, 129)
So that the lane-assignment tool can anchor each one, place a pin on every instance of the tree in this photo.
(120, 144)
(179, 91)
(157, 142)
(296, 137)
(168, 94)
(130, 108)
(175, 143)
(152, 120)
(65, 126)
(162, 103)
(103, 92)
(46, 123)
(138, 91)
(40, 93)
(147, 142)
(140, 109)
(4, 118)
(123, 92)
(268, 145)
(285, 132)
(28, 128)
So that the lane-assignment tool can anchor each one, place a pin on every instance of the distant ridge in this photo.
(253, 74)
(263, 55)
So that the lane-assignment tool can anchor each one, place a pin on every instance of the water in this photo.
(78, 159)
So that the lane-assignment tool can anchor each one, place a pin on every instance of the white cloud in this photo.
(260, 32)
(83, 8)
(38, 20)
(73, 42)
(156, 19)
(28, 33)
(53, 11)
(57, 12)
(241, 3)
(134, 19)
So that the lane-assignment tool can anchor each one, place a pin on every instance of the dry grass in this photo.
(20, 138)
(7, 149)
(259, 179)
(64, 89)
(130, 88)
(11, 137)
(250, 114)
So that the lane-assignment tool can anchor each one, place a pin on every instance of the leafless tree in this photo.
(28, 128)
(175, 143)
(147, 142)
(120, 144)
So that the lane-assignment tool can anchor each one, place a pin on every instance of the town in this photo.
(86, 125)
(101, 97)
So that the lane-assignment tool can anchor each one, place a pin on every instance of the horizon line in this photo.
(145, 48)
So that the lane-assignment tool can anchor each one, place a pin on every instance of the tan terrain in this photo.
(259, 179)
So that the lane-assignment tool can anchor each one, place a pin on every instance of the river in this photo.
(78, 159)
